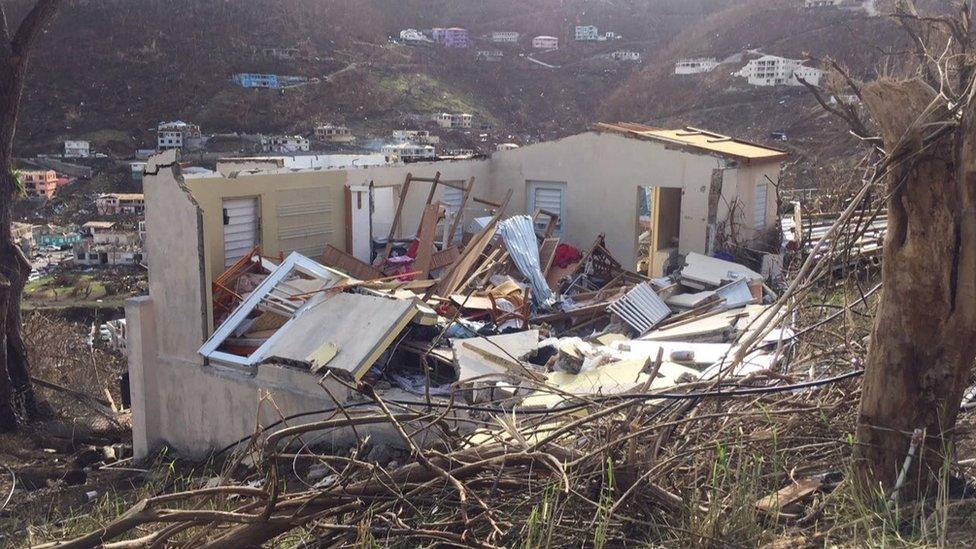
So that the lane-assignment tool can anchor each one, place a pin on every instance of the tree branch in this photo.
(4, 34)
(33, 23)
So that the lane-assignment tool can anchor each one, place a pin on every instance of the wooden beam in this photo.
(396, 217)
(460, 213)
(425, 238)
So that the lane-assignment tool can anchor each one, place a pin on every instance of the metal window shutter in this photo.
(548, 199)
(240, 231)
(760, 206)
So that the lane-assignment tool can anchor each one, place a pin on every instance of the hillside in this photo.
(109, 70)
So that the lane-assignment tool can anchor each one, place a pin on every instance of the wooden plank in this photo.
(349, 264)
(459, 270)
(430, 194)
(547, 253)
(460, 213)
(396, 217)
(789, 495)
(444, 258)
(425, 238)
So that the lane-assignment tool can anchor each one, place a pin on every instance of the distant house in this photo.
(90, 254)
(454, 37)
(695, 66)
(587, 33)
(53, 236)
(506, 147)
(334, 133)
(39, 183)
(410, 152)
(281, 53)
(177, 135)
(108, 233)
(489, 55)
(414, 36)
(770, 70)
(22, 234)
(284, 143)
(545, 43)
(822, 3)
(453, 121)
(626, 56)
(415, 136)
(504, 37)
(610, 35)
(269, 81)
(77, 149)
(118, 203)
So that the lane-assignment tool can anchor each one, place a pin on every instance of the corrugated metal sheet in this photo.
(700, 139)
(523, 247)
(641, 308)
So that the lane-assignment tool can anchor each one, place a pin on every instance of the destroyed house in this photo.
(198, 372)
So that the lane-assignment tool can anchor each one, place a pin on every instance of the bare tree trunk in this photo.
(16, 391)
(924, 339)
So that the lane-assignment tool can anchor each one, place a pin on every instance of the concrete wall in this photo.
(300, 211)
(197, 407)
(177, 399)
(175, 238)
(602, 172)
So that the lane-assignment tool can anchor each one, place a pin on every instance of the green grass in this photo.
(84, 288)
(423, 93)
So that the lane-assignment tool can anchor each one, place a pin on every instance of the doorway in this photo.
(658, 227)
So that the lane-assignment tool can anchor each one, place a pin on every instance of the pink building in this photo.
(40, 184)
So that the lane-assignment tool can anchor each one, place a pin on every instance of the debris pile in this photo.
(513, 316)
(534, 392)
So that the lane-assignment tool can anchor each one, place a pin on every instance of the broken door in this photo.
(658, 226)
(241, 223)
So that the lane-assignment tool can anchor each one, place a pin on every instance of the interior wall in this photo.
(300, 211)
(413, 206)
(602, 172)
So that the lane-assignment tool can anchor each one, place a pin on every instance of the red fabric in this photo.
(566, 255)
(412, 250)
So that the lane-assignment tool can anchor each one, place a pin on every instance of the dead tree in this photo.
(924, 338)
(16, 392)
(923, 342)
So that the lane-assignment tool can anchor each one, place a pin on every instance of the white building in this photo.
(414, 35)
(770, 70)
(822, 3)
(334, 133)
(545, 43)
(77, 149)
(504, 37)
(506, 147)
(626, 56)
(284, 143)
(453, 121)
(177, 135)
(610, 35)
(695, 66)
(489, 55)
(415, 136)
(409, 152)
(587, 33)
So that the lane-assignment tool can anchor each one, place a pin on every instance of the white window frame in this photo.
(532, 186)
(294, 262)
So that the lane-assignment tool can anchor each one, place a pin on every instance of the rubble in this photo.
(501, 313)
